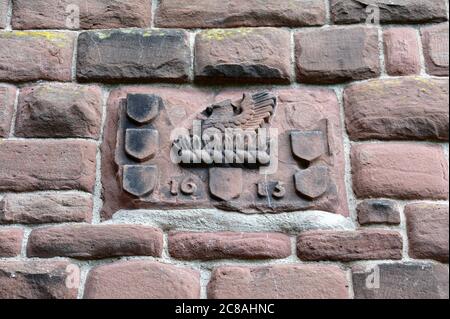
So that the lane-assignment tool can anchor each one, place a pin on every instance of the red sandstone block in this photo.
(400, 170)
(95, 241)
(59, 110)
(7, 98)
(401, 48)
(10, 242)
(398, 109)
(349, 245)
(244, 55)
(337, 54)
(36, 55)
(46, 208)
(92, 14)
(206, 246)
(238, 13)
(278, 282)
(3, 13)
(37, 280)
(435, 48)
(47, 165)
(142, 280)
(428, 231)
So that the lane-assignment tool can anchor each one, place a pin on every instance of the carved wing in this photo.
(254, 111)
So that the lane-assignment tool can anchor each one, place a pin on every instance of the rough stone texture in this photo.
(3, 13)
(218, 221)
(255, 55)
(349, 246)
(10, 242)
(95, 241)
(378, 211)
(398, 109)
(405, 11)
(7, 98)
(93, 14)
(236, 13)
(337, 54)
(279, 282)
(35, 280)
(393, 171)
(298, 109)
(36, 55)
(137, 55)
(205, 246)
(142, 280)
(47, 165)
(401, 281)
(401, 49)
(45, 208)
(59, 110)
(435, 47)
(427, 226)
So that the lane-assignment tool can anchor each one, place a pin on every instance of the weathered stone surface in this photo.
(378, 211)
(398, 109)
(245, 55)
(183, 186)
(401, 281)
(95, 241)
(313, 182)
(393, 171)
(35, 280)
(47, 165)
(405, 11)
(7, 98)
(141, 144)
(206, 246)
(45, 208)
(349, 245)
(435, 47)
(236, 13)
(337, 54)
(35, 55)
(59, 110)
(136, 55)
(3, 13)
(139, 180)
(279, 282)
(427, 226)
(142, 280)
(93, 14)
(10, 242)
(401, 49)
(221, 178)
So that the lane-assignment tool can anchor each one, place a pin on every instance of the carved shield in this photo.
(313, 182)
(308, 145)
(143, 108)
(225, 183)
(139, 180)
(141, 144)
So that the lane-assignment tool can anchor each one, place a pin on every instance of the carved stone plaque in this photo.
(254, 151)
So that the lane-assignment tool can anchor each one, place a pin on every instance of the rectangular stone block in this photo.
(373, 109)
(36, 55)
(3, 13)
(399, 170)
(401, 49)
(378, 211)
(80, 14)
(337, 54)
(10, 242)
(46, 208)
(59, 110)
(404, 11)
(47, 165)
(243, 55)
(435, 49)
(163, 181)
(279, 282)
(134, 55)
(236, 13)
(7, 99)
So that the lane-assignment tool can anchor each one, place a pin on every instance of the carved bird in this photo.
(248, 114)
